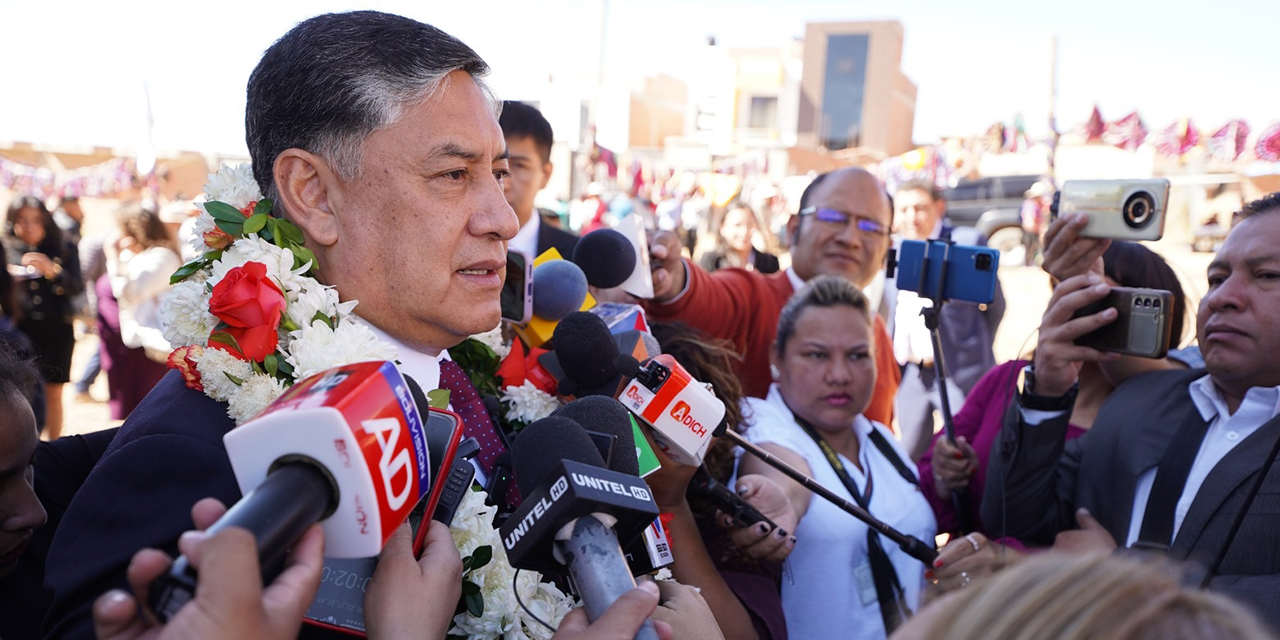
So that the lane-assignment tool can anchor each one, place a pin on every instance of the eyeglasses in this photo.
(841, 220)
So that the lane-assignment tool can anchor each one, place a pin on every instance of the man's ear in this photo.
(793, 229)
(546, 175)
(306, 185)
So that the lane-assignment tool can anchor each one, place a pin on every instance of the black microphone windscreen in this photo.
(606, 415)
(585, 349)
(543, 444)
(606, 257)
(559, 287)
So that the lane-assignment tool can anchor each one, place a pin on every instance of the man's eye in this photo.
(501, 174)
(459, 174)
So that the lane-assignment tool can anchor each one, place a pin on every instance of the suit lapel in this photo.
(1237, 467)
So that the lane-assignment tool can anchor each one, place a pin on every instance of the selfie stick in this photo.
(932, 318)
(913, 546)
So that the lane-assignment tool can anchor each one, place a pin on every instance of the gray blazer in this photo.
(1035, 482)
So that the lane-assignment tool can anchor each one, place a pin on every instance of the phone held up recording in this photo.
(1143, 324)
(1117, 209)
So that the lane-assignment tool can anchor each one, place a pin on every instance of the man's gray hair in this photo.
(336, 78)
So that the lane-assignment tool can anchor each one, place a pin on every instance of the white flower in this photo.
(204, 224)
(316, 347)
(233, 185)
(278, 261)
(527, 403)
(254, 395)
(184, 313)
(313, 298)
(494, 340)
(214, 367)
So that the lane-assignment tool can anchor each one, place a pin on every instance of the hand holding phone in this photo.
(1144, 321)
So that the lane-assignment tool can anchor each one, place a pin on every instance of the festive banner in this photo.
(1128, 132)
(1178, 138)
(1095, 127)
(101, 179)
(1228, 142)
(1268, 147)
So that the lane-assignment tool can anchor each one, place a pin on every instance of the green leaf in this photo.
(481, 556)
(302, 256)
(225, 338)
(285, 367)
(287, 324)
(212, 255)
(233, 229)
(269, 234)
(255, 223)
(469, 587)
(187, 270)
(257, 368)
(438, 398)
(224, 212)
(322, 318)
(272, 363)
(481, 364)
(234, 379)
(475, 604)
(291, 231)
(263, 207)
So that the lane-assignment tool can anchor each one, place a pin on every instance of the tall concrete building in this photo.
(852, 91)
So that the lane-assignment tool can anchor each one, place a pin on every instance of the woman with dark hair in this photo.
(733, 246)
(978, 424)
(845, 575)
(47, 269)
(738, 569)
(139, 263)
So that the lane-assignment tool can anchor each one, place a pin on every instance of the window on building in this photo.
(764, 113)
(844, 82)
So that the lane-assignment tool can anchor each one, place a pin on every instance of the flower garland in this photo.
(248, 318)
(498, 366)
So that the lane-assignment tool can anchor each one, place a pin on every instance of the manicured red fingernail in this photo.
(928, 573)
(957, 455)
(937, 564)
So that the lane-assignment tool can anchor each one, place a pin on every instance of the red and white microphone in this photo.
(682, 411)
(345, 447)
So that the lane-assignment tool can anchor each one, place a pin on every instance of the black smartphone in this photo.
(517, 289)
(1142, 326)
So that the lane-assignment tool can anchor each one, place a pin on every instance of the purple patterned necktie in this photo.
(465, 402)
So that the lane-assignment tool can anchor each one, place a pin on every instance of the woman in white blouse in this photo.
(846, 581)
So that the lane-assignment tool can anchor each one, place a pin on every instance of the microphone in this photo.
(574, 514)
(559, 288)
(606, 257)
(602, 414)
(727, 501)
(682, 411)
(346, 446)
(586, 357)
(681, 414)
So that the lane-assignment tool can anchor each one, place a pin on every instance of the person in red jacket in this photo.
(842, 229)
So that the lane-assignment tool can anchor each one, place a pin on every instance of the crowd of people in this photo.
(1083, 493)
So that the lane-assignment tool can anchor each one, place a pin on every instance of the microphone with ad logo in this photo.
(685, 414)
(575, 513)
(346, 446)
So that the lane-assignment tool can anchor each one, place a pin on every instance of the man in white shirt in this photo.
(966, 331)
(1172, 456)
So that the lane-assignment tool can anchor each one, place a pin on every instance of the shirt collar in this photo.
(1210, 403)
(796, 282)
(424, 368)
(526, 240)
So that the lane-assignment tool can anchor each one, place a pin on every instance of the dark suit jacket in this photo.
(166, 457)
(1035, 482)
(561, 240)
(60, 467)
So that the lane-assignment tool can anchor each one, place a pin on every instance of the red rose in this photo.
(251, 305)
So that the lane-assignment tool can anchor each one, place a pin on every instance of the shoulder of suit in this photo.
(968, 235)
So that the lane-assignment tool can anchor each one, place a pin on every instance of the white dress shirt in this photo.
(423, 367)
(526, 240)
(1226, 430)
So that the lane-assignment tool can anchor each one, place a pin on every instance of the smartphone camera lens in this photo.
(982, 262)
(1155, 304)
(1139, 210)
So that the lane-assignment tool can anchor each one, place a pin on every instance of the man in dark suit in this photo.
(529, 140)
(967, 331)
(400, 198)
(1172, 454)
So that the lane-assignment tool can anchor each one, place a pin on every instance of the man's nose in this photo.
(493, 215)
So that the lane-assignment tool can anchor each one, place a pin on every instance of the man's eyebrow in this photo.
(506, 153)
(1263, 259)
(455, 150)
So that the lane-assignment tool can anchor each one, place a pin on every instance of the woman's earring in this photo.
(773, 371)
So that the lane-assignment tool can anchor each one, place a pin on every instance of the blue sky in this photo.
(75, 70)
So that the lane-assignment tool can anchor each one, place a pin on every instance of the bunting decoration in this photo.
(1095, 127)
(1128, 133)
(1268, 146)
(101, 179)
(1178, 138)
(1228, 143)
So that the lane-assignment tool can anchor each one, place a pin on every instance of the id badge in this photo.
(865, 584)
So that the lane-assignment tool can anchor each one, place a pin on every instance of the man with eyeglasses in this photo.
(842, 229)
(967, 331)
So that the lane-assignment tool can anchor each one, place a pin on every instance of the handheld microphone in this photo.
(346, 446)
(743, 514)
(682, 411)
(586, 357)
(606, 258)
(559, 288)
(605, 415)
(574, 514)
